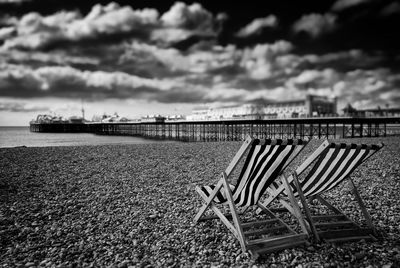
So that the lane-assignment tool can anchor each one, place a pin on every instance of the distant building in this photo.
(49, 119)
(388, 112)
(320, 106)
(76, 120)
(174, 118)
(311, 106)
(374, 112)
(110, 119)
(153, 119)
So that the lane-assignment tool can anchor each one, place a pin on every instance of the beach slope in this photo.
(134, 205)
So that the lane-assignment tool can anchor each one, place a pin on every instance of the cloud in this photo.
(148, 66)
(203, 66)
(323, 78)
(38, 32)
(173, 36)
(340, 5)
(215, 59)
(143, 58)
(13, 1)
(7, 20)
(391, 98)
(171, 61)
(183, 21)
(366, 88)
(363, 88)
(189, 84)
(390, 9)
(111, 19)
(257, 25)
(21, 107)
(188, 17)
(261, 61)
(35, 58)
(6, 32)
(343, 60)
(236, 96)
(339, 62)
(365, 82)
(371, 87)
(113, 22)
(19, 81)
(315, 24)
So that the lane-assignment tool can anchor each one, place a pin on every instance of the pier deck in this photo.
(236, 130)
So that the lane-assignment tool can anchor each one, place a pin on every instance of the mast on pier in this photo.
(83, 110)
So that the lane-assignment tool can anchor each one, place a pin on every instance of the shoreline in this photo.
(133, 205)
(17, 137)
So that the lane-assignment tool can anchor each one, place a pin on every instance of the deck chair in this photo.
(325, 169)
(265, 162)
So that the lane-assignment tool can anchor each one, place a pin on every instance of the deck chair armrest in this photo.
(211, 197)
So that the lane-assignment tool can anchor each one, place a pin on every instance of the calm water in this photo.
(19, 136)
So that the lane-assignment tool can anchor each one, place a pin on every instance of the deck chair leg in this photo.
(287, 206)
(363, 208)
(224, 220)
(234, 212)
(305, 206)
(207, 200)
(295, 205)
(220, 215)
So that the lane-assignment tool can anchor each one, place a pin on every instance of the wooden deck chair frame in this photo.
(340, 219)
(259, 246)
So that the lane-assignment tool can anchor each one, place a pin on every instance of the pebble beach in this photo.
(133, 206)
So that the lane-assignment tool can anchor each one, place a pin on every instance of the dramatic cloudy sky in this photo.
(166, 57)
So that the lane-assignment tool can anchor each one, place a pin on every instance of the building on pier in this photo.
(50, 119)
(76, 120)
(175, 118)
(387, 112)
(311, 106)
(153, 119)
(372, 112)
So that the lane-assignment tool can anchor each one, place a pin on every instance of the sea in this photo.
(21, 136)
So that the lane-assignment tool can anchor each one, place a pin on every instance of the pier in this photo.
(236, 130)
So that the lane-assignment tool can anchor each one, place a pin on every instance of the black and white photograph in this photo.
(199, 133)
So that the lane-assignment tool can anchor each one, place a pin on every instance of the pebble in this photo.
(359, 255)
(310, 248)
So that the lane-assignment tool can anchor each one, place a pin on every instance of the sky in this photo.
(136, 58)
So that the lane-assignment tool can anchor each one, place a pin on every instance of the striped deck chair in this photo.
(325, 169)
(265, 162)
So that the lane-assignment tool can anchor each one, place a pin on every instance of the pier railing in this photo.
(235, 130)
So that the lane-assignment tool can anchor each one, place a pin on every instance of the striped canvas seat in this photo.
(334, 165)
(264, 162)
